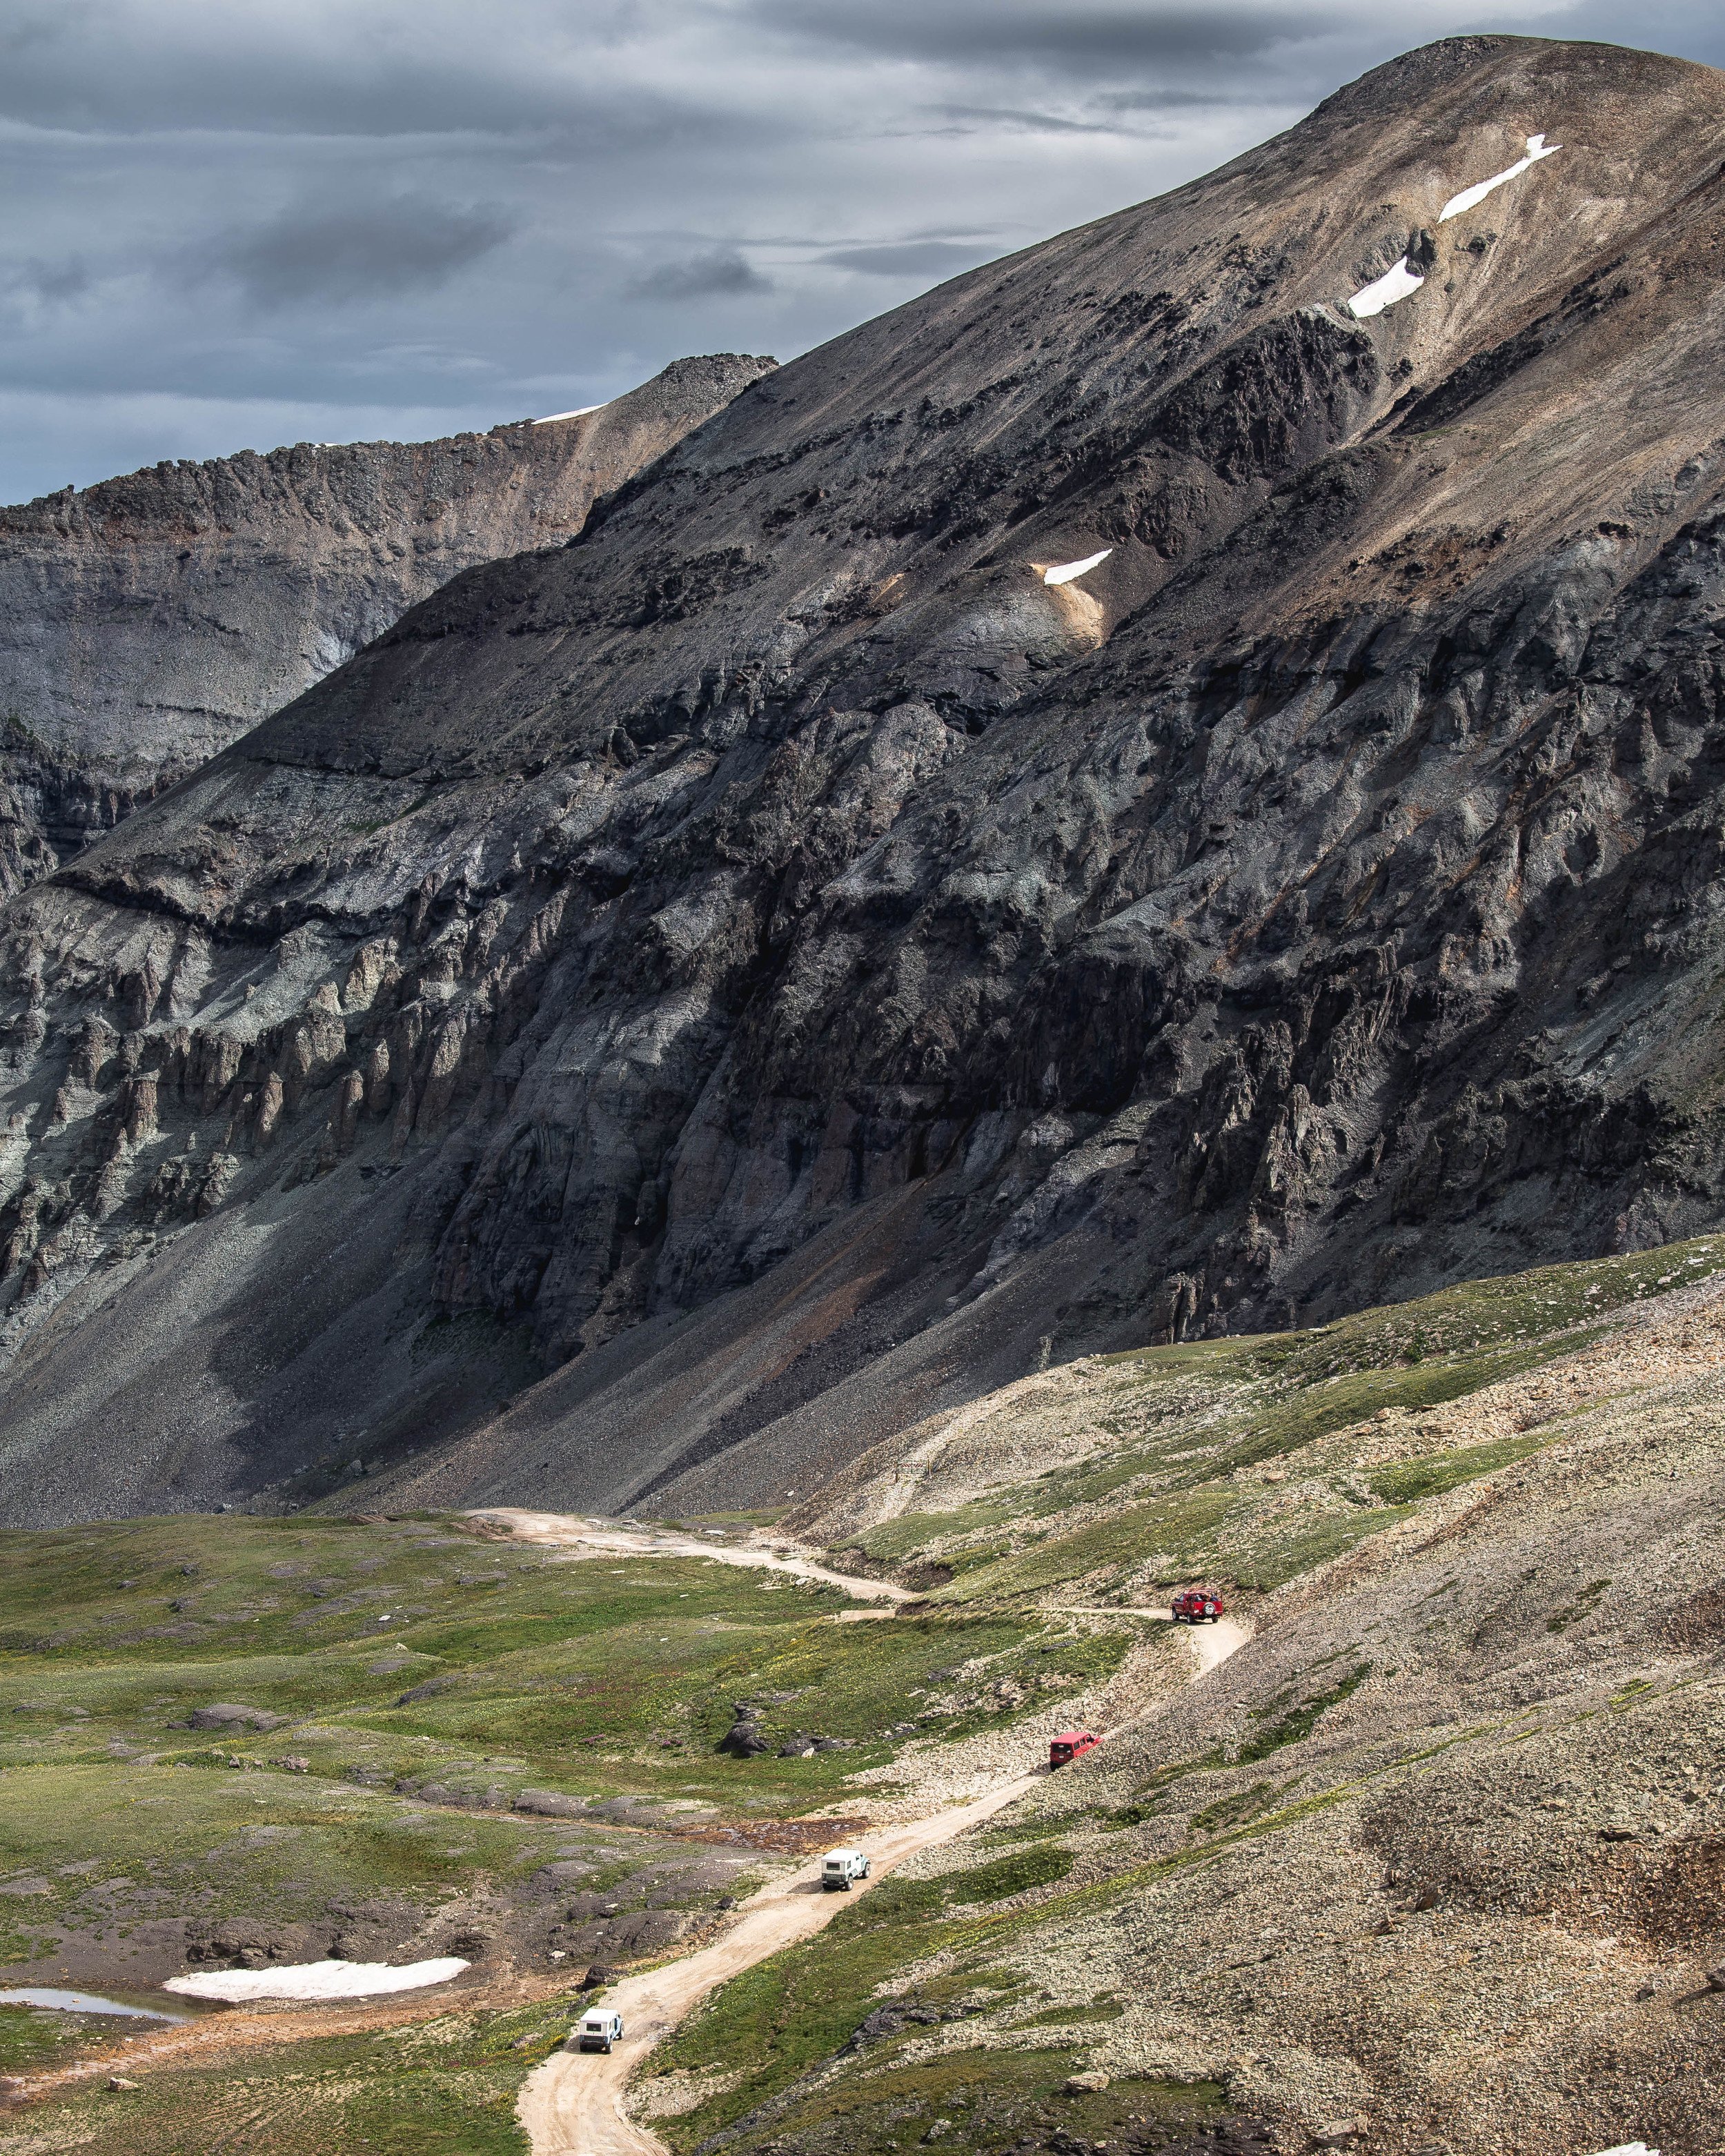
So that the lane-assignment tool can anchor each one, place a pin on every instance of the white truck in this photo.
(839, 1866)
(597, 2029)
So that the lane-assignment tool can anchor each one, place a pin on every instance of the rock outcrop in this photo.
(147, 622)
(777, 968)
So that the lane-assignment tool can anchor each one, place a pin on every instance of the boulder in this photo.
(429, 1689)
(551, 1804)
(234, 1718)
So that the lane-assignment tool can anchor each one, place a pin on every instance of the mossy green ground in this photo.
(598, 1680)
(989, 2100)
(441, 2087)
(593, 1680)
(31, 2037)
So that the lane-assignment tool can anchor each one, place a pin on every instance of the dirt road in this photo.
(572, 2106)
(1215, 1643)
(563, 1531)
(1212, 1643)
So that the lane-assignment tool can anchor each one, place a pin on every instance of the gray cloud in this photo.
(1064, 41)
(320, 251)
(54, 282)
(1034, 123)
(528, 192)
(1687, 29)
(909, 258)
(721, 270)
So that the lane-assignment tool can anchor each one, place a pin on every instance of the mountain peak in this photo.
(780, 963)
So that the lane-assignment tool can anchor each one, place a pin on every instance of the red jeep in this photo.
(1197, 1606)
(1065, 1748)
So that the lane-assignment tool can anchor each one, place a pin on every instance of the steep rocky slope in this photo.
(1433, 1862)
(783, 967)
(147, 622)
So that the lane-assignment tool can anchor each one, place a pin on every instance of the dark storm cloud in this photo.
(144, 66)
(720, 272)
(322, 251)
(53, 282)
(1063, 41)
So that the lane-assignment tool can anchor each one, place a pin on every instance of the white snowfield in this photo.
(580, 411)
(1068, 570)
(316, 1979)
(1630, 2148)
(1469, 196)
(1396, 284)
(1384, 291)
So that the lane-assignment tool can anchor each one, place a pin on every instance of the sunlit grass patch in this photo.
(445, 2087)
(1125, 1539)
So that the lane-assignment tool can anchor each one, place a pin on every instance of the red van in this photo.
(1065, 1748)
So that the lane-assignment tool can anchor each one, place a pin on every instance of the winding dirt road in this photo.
(573, 2104)
(1211, 1643)
(565, 1531)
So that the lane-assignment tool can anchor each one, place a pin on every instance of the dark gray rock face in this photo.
(777, 967)
(147, 622)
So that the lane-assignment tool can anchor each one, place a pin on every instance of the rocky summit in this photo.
(147, 622)
(681, 1006)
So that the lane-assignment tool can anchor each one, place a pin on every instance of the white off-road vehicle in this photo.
(839, 1866)
(597, 2029)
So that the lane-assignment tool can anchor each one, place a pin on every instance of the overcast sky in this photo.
(235, 225)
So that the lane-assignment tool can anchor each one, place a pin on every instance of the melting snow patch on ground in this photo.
(1068, 570)
(580, 411)
(1469, 196)
(1384, 291)
(316, 1979)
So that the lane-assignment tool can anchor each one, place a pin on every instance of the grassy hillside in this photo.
(1253, 1461)
(1432, 1861)
(411, 1682)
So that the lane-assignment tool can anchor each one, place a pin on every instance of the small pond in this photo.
(87, 2002)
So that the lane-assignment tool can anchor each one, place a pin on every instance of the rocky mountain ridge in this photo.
(147, 622)
(780, 967)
